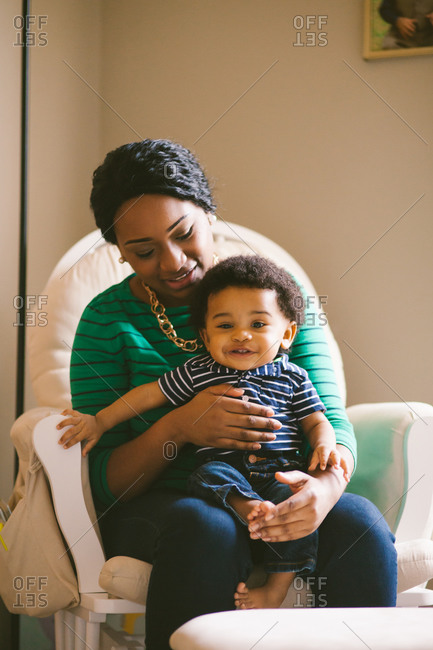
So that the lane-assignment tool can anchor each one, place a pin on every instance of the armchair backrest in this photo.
(91, 266)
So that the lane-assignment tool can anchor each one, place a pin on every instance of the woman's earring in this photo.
(212, 218)
(122, 260)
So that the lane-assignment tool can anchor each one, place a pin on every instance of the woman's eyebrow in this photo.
(173, 225)
(142, 239)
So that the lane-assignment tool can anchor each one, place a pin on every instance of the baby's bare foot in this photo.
(264, 597)
(241, 596)
(242, 505)
(260, 510)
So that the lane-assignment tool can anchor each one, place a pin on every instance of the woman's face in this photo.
(168, 243)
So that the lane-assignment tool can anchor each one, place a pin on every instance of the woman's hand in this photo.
(213, 418)
(302, 513)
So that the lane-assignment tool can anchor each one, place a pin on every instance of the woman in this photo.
(153, 201)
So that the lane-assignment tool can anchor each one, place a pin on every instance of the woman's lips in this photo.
(182, 280)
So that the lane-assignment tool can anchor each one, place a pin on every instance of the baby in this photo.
(246, 310)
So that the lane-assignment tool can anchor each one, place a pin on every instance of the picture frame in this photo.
(380, 36)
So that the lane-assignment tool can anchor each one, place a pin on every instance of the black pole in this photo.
(22, 272)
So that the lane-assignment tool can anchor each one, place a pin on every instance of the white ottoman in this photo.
(305, 629)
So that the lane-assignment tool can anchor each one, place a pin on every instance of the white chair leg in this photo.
(80, 634)
(59, 630)
(69, 630)
(92, 635)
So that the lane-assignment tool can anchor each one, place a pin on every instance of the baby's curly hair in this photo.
(147, 167)
(251, 272)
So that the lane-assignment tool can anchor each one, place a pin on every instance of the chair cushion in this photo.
(415, 563)
(79, 276)
(126, 577)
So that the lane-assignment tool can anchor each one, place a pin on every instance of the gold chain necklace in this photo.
(166, 327)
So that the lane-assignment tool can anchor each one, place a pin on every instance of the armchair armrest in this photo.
(72, 502)
(395, 471)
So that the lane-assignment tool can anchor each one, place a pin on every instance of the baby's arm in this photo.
(321, 437)
(91, 427)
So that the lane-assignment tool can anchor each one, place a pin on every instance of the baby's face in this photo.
(245, 327)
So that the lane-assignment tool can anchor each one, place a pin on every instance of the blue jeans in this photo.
(200, 552)
(254, 478)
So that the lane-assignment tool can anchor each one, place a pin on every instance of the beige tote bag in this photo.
(36, 574)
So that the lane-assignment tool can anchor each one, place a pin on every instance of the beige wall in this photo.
(311, 156)
(65, 130)
(64, 134)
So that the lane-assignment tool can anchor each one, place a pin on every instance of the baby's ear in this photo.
(204, 337)
(289, 335)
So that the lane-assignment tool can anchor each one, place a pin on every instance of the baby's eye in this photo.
(185, 235)
(258, 324)
(145, 255)
(224, 326)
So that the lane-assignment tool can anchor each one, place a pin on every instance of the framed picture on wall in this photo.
(398, 28)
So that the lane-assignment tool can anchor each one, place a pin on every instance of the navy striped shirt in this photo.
(280, 384)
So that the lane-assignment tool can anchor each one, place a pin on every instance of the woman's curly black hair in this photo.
(147, 167)
(252, 272)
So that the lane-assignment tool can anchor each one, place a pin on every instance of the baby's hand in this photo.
(83, 427)
(324, 455)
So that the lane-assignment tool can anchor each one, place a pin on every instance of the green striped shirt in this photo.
(118, 345)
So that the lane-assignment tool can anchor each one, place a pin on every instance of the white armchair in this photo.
(395, 444)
